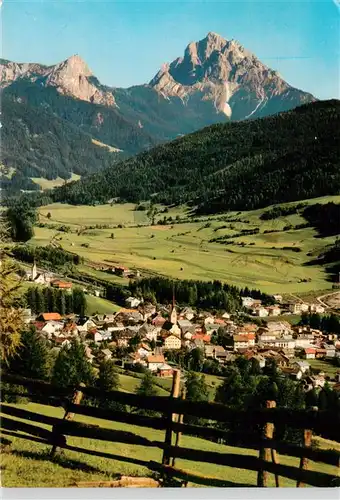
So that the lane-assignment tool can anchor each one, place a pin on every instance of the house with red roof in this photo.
(52, 316)
(309, 352)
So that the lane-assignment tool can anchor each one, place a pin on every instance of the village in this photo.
(142, 335)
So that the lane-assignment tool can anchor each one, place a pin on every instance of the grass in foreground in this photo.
(27, 463)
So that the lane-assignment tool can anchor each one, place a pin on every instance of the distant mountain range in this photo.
(216, 81)
(291, 156)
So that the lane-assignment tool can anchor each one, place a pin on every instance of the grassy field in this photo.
(26, 463)
(98, 305)
(50, 184)
(184, 250)
(324, 366)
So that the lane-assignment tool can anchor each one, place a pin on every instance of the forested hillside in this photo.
(245, 165)
(36, 143)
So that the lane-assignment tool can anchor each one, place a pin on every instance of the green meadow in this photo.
(52, 183)
(27, 463)
(183, 250)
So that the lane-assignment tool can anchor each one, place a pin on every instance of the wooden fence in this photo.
(172, 409)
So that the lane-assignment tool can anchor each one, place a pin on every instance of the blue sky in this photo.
(125, 43)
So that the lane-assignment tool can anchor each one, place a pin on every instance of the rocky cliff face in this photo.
(231, 77)
(71, 77)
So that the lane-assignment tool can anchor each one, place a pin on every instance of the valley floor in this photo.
(273, 260)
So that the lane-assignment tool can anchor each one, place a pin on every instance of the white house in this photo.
(278, 298)
(132, 302)
(106, 353)
(280, 327)
(172, 342)
(310, 352)
(209, 320)
(274, 310)
(149, 332)
(51, 327)
(144, 351)
(94, 336)
(302, 365)
(155, 361)
(261, 312)
(171, 328)
(316, 308)
(247, 301)
(185, 325)
(85, 325)
(304, 340)
(298, 308)
(330, 350)
(240, 342)
(267, 336)
(187, 313)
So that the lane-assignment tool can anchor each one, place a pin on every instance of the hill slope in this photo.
(291, 156)
(36, 143)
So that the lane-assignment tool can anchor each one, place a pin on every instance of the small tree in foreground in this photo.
(11, 320)
(147, 388)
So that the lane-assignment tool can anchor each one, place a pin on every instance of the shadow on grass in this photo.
(61, 460)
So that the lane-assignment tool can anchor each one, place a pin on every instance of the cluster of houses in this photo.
(256, 308)
(46, 278)
(143, 334)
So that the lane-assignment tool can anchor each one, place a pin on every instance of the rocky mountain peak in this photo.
(234, 79)
(73, 66)
(70, 77)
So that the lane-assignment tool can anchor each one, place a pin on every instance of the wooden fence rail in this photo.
(326, 423)
(168, 407)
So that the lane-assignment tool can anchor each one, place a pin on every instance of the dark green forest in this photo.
(235, 166)
(324, 217)
(37, 143)
(49, 255)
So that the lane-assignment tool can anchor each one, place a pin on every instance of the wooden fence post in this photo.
(77, 397)
(180, 421)
(307, 442)
(176, 381)
(265, 453)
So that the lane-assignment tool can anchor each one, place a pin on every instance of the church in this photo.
(43, 278)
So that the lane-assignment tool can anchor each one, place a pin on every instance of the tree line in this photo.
(200, 294)
(329, 323)
(49, 299)
(234, 166)
(51, 255)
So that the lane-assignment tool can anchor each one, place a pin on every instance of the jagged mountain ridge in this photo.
(216, 81)
(239, 85)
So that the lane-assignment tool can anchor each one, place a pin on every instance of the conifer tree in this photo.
(108, 380)
(196, 390)
(11, 320)
(32, 357)
(40, 303)
(72, 366)
(61, 302)
(79, 301)
(146, 388)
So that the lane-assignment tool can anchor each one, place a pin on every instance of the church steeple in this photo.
(34, 271)
(173, 315)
